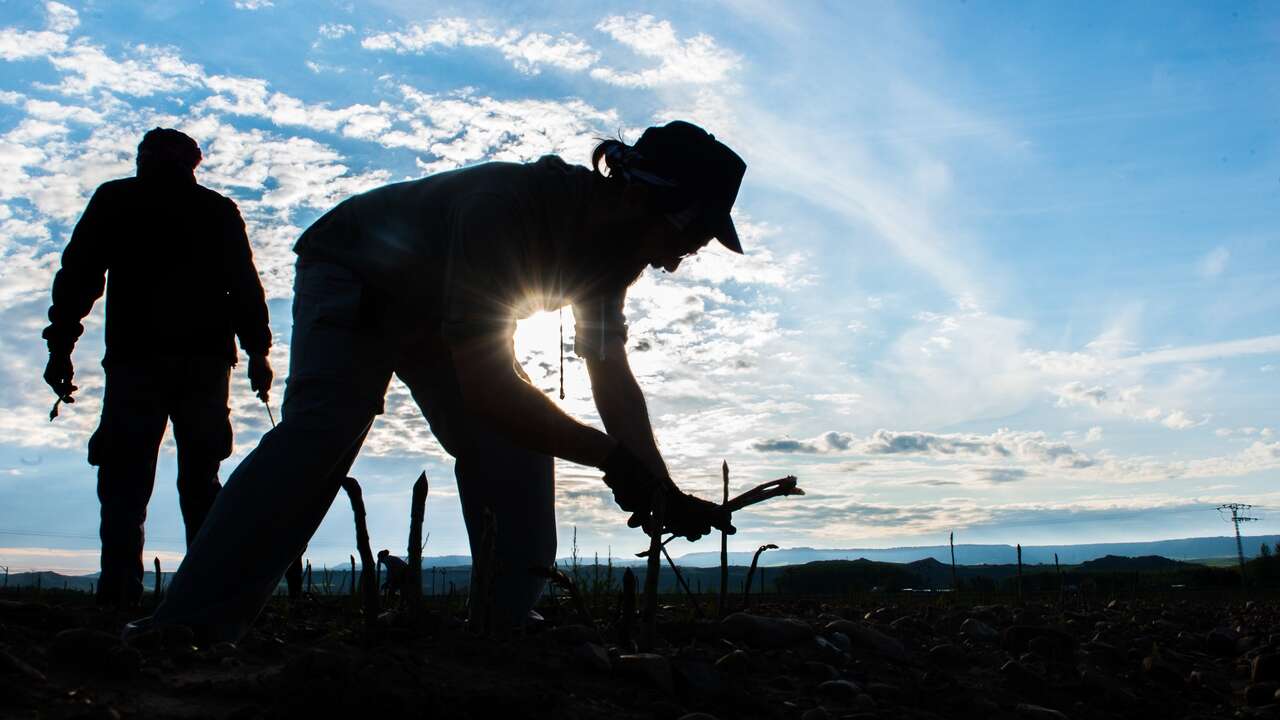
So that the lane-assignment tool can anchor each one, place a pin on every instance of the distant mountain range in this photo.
(1183, 549)
(1091, 557)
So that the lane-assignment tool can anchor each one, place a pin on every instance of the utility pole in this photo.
(1237, 518)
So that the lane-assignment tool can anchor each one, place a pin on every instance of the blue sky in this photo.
(1011, 269)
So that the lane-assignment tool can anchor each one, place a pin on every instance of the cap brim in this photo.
(727, 234)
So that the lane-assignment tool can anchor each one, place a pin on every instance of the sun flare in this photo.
(540, 333)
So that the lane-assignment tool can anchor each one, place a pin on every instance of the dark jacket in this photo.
(181, 280)
(474, 249)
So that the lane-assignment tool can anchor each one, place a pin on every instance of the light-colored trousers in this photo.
(341, 360)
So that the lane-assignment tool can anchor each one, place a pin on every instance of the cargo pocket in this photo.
(329, 295)
(202, 420)
(223, 440)
(98, 446)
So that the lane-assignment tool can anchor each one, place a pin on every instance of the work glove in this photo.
(633, 489)
(58, 374)
(632, 484)
(260, 376)
(692, 517)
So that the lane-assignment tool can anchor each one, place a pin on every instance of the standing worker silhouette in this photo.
(425, 280)
(180, 283)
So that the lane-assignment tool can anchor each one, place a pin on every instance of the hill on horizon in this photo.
(1116, 563)
(1173, 551)
(1223, 546)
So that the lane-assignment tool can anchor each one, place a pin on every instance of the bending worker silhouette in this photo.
(180, 283)
(425, 280)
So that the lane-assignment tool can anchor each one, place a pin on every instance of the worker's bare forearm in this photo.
(622, 408)
(531, 420)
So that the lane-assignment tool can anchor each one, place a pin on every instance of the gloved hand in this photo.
(58, 374)
(692, 517)
(632, 484)
(260, 376)
(633, 489)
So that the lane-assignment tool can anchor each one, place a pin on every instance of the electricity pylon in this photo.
(1236, 518)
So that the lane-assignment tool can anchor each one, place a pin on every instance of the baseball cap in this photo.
(705, 172)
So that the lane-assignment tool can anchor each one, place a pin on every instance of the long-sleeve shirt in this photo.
(177, 268)
(470, 251)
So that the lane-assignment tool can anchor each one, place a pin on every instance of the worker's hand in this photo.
(632, 484)
(692, 517)
(58, 374)
(634, 487)
(260, 376)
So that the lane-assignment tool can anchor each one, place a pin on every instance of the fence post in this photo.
(722, 608)
(955, 586)
(1062, 591)
(1019, 573)
(369, 574)
(411, 592)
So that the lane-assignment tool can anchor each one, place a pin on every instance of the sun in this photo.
(540, 333)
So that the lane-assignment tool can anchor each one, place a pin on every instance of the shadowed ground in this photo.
(1203, 655)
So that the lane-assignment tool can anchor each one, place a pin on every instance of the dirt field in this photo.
(899, 658)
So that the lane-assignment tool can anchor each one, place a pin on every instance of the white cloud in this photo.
(56, 112)
(716, 264)
(253, 4)
(252, 97)
(528, 52)
(40, 165)
(841, 520)
(462, 128)
(1094, 435)
(18, 44)
(1214, 263)
(448, 32)
(1259, 456)
(842, 403)
(1264, 344)
(23, 45)
(997, 475)
(533, 50)
(148, 71)
(695, 60)
(1035, 447)
(1247, 431)
(1178, 420)
(1077, 393)
(334, 31)
(61, 17)
(70, 561)
(1127, 402)
(925, 363)
(930, 456)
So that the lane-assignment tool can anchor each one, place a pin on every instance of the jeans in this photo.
(343, 354)
(141, 398)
